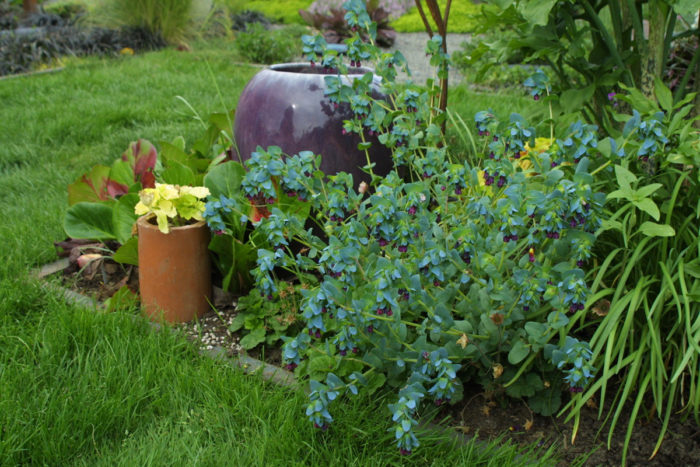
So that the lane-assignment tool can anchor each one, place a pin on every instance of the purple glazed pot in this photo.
(284, 105)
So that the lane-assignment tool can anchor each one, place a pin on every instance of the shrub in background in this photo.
(241, 20)
(394, 8)
(66, 9)
(331, 21)
(21, 54)
(173, 20)
(260, 45)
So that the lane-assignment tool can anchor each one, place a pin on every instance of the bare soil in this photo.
(478, 414)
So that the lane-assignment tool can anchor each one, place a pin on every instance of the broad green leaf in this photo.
(225, 179)
(645, 191)
(90, 220)
(610, 225)
(652, 229)
(123, 216)
(624, 177)
(663, 94)
(686, 8)
(648, 206)
(255, 337)
(638, 100)
(625, 193)
(321, 365)
(223, 121)
(536, 11)
(237, 322)
(178, 174)
(502, 4)
(128, 253)
(547, 401)
(518, 352)
(122, 172)
(572, 100)
(375, 381)
(173, 152)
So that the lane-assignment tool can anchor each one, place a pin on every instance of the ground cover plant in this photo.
(440, 267)
(85, 388)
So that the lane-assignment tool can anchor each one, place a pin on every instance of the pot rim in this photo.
(144, 221)
(293, 66)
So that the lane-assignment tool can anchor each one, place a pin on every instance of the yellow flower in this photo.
(541, 145)
(126, 51)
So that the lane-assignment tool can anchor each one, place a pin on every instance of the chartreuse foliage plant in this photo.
(172, 205)
(440, 272)
(646, 288)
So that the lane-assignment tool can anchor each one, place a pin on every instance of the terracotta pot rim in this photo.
(144, 221)
(293, 67)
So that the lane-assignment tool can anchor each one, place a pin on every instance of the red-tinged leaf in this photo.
(258, 213)
(90, 187)
(148, 179)
(142, 156)
(115, 189)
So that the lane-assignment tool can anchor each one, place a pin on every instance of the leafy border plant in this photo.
(440, 268)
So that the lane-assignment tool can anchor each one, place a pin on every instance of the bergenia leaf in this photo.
(90, 187)
(142, 156)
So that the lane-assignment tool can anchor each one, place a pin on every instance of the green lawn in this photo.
(85, 388)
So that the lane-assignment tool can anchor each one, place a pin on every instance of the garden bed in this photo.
(481, 414)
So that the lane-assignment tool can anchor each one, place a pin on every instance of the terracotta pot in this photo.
(174, 271)
(285, 105)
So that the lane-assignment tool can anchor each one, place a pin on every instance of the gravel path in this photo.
(412, 46)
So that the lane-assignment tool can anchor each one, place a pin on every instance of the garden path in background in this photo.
(412, 46)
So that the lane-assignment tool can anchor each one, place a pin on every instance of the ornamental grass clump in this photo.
(442, 271)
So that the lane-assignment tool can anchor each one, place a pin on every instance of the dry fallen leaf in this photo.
(592, 403)
(497, 370)
(497, 318)
(602, 307)
(528, 425)
(463, 341)
(463, 429)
